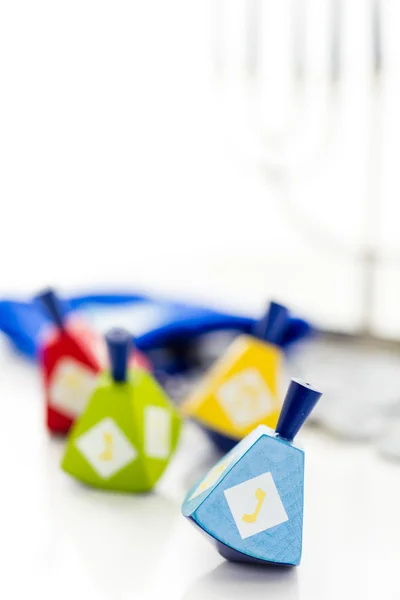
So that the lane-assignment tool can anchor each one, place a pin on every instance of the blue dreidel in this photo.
(242, 389)
(251, 503)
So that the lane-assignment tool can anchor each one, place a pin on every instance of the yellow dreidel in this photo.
(241, 390)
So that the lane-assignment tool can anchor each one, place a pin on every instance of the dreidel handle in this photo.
(119, 342)
(51, 303)
(300, 400)
(272, 326)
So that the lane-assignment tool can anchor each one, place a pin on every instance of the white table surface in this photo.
(62, 540)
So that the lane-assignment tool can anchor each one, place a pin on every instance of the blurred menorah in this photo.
(250, 36)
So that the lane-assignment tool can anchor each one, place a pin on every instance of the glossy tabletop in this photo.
(61, 539)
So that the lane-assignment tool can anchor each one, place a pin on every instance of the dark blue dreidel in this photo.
(242, 389)
(251, 503)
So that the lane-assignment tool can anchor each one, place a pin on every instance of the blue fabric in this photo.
(178, 323)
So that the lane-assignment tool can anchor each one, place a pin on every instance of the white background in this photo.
(136, 150)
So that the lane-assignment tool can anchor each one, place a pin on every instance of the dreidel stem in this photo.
(272, 326)
(51, 303)
(119, 342)
(300, 400)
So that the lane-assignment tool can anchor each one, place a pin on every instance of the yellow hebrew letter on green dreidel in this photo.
(107, 453)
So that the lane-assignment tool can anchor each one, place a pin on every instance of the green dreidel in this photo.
(124, 439)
